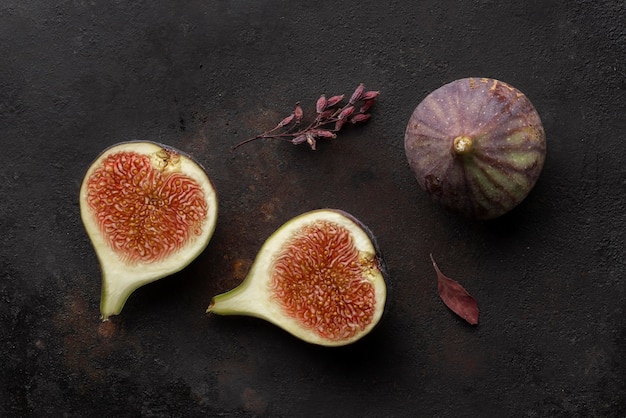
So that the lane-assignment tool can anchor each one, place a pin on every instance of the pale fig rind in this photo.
(300, 291)
(126, 214)
(477, 146)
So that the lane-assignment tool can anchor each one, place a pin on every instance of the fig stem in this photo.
(462, 145)
(235, 302)
(114, 296)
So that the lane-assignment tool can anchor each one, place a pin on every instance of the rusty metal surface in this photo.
(77, 76)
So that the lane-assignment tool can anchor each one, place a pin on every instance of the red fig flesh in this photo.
(319, 277)
(149, 210)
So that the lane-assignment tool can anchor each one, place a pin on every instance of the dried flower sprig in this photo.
(330, 118)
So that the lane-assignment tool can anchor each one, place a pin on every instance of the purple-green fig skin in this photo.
(380, 261)
(477, 146)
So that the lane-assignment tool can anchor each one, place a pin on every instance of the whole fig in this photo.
(477, 146)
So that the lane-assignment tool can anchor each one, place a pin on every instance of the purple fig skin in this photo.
(477, 146)
(380, 261)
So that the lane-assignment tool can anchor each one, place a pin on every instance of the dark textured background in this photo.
(78, 76)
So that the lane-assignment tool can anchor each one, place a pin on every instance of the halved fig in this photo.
(149, 210)
(320, 277)
(477, 146)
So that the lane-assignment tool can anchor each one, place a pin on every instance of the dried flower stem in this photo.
(330, 117)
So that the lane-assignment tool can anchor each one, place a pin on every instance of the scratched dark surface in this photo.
(78, 76)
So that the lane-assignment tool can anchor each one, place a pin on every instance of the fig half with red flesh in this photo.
(477, 146)
(320, 277)
(149, 210)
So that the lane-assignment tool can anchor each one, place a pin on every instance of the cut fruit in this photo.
(320, 277)
(149, 211)
(477, 146)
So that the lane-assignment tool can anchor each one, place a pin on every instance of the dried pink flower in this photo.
(298, 112)
(334, 100)
(299, 139)
(368, 95)
(323, 133)
(321, 104)
(327, 113)
(360, 117)
(366, 105)
(346, 112)
(356, 96)
(310, 139)
(285, 121)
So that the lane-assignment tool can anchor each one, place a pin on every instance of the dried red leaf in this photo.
(456, 297)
